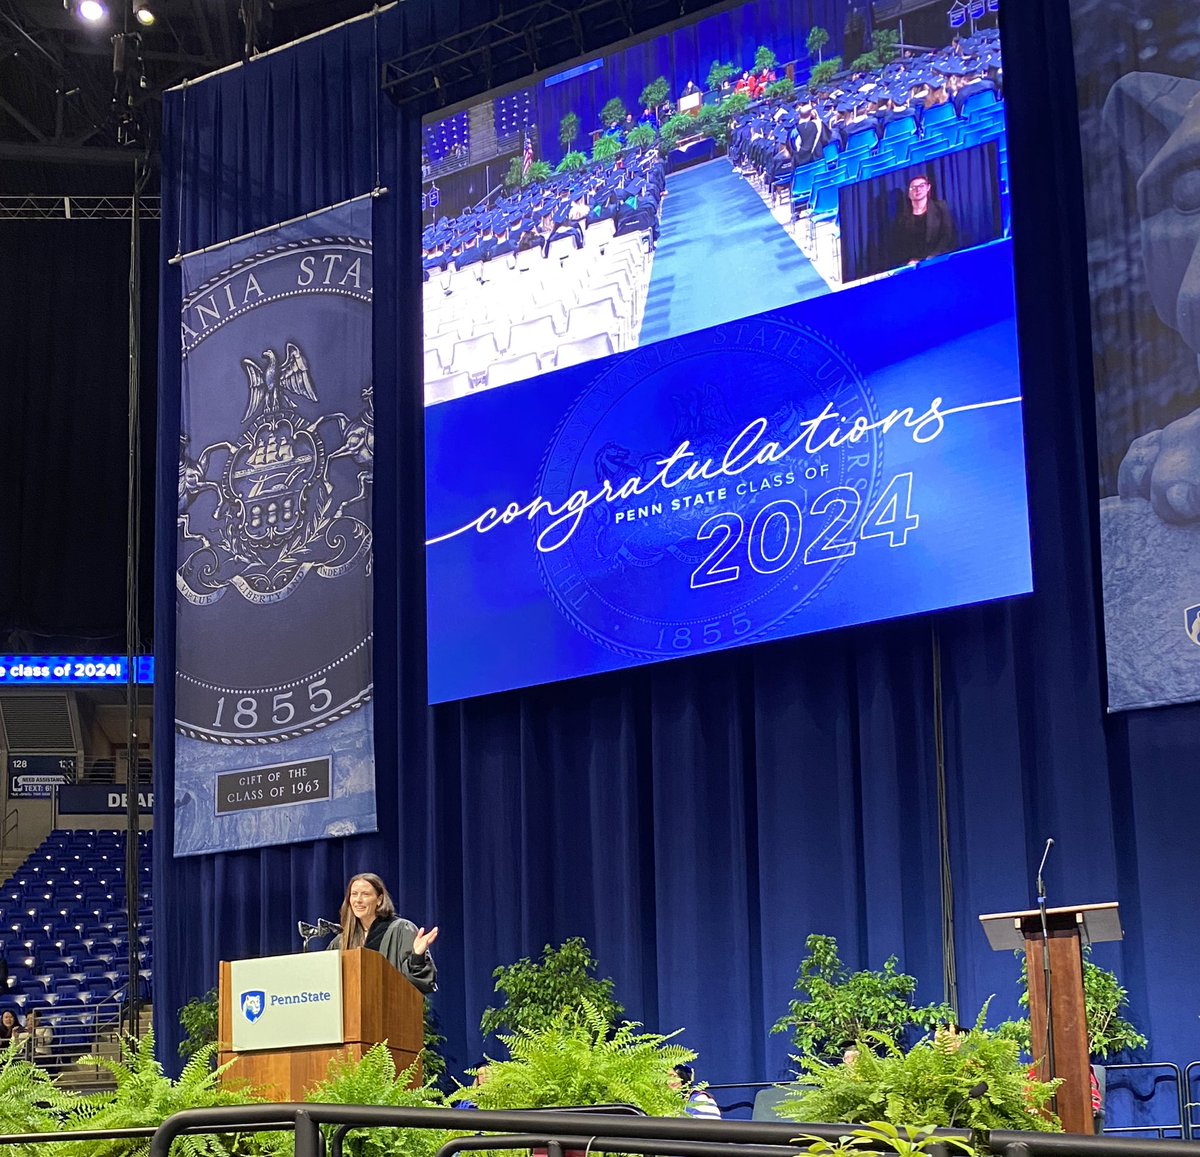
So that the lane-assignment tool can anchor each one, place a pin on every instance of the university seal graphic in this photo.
(275, 487)
(723, 467)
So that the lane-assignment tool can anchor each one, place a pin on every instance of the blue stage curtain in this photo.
(696, 820)
(969, 183)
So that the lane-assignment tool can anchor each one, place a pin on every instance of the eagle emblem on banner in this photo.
(278, 517)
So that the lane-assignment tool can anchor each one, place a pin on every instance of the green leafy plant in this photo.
(568, 129)
(605, 148)
(641, 137)
(836, 1007)
(974, 1080)
(735, 104)
(513, 175)
(884, 42)
(146, 1096)
(818, 37)
(713, 121)
(538, 171)
(433, 1064)
(537, 993)
(27, 1097)
(782, 90)
(198, 1019)
(883, 1136)
(572, 162)
(613, 110)
(654, 93)
(374, 1080)
(1104, 999)
(577, 1059)
(824, 72)
(863, 63)
(675, 128)
(764, 58)
(718, 74)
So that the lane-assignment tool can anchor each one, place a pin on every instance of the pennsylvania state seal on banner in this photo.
(275, 484)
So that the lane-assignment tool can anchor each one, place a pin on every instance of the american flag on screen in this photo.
(527, 159)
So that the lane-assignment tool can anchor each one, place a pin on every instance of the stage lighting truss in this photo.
(508, 48)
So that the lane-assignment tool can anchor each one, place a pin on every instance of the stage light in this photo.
(143, 13)
(92, 11)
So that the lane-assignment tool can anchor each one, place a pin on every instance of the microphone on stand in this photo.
(309, 932)
(1041, 898)
(1041, 887)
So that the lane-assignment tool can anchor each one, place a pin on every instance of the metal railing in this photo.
(689, 1137)
(1172, 1073)
(1190, 1073)
(12, 826)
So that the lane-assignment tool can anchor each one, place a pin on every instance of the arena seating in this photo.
(64, 933)
(447, 136)
(513, 113)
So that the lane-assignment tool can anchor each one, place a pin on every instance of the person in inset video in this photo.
(924, 226)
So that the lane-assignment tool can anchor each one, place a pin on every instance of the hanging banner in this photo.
(273, 678)
(1138, 69)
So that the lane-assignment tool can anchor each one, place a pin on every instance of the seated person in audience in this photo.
(743, 84)
(564, 226)
(896, 108)
(975, 82)
(637, 213)
(10, 1026)
(924, 227)
(937, 91)
(697, 1102)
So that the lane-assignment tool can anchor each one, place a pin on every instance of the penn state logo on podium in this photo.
(254, 1004)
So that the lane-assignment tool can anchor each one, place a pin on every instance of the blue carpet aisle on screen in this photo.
(721, 256)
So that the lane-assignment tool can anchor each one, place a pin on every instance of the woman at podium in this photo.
(369, 920)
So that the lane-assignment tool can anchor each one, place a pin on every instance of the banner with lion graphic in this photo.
(1138, 71)
(273, 682)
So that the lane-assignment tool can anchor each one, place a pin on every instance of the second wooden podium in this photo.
(1068, 929)
(375, 1003)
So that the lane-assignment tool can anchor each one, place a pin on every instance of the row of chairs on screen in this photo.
(538, 336)
(511, 317)
(516, 298)
(599, 238)
(516, 369)
(566, 279)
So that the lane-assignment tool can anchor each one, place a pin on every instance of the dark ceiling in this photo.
(70, 124)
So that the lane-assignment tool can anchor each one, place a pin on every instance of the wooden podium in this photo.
(1068, 929)
(378, 1004)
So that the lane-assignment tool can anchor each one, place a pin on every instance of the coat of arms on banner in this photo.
(273, 679)
(278, 517)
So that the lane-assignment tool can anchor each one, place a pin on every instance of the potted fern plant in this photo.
(374, 1080)
(974, 1080)
(577, 1058)
(146, 1096)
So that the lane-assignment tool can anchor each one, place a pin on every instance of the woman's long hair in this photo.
(353, 933)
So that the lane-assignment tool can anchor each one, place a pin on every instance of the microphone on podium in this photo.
(1041, 887)
(309, 932)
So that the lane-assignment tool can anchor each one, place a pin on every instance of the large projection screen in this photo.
(719, 347)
